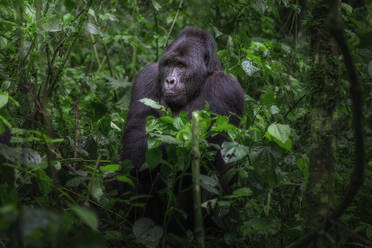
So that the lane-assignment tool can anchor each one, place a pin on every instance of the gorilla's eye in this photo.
(180, 65)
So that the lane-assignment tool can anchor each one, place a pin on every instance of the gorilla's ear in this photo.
(211, 59)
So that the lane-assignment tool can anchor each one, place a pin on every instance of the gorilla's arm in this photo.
(134, 139)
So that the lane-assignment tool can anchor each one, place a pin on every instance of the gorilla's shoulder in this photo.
(149, 71)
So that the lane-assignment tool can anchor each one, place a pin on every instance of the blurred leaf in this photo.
(34, 220)
(3, 99)
(147, 232)
(96, 188)
(248, 67)
(303, 165)
(68, 18)
(153, 158)
(156, 5)
(87, 216)
(19, 155)
(125, 179)
(110, 167)
(261, 226)
(54, 24)
(280, 132)
(151, 103)
(267, 98)
(93, 29)
(370, 68)
(232, 151)
(242, 192)
(347, 7)
(209, 184)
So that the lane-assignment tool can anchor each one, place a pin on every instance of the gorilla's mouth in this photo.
(171, 94)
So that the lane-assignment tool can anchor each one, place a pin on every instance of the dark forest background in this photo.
(301, 160)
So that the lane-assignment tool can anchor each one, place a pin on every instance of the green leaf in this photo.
(280, 132)
(370, 68)
(280, 135)
(242, 192)
(151, 103)
(96, 188)
(93, 29)
(178, 123)
(303, 165)
(156, 5)
(68, 18)
(147, 232)
(54, 24)
(248, 67)
(267, 98)
(110, 168)
(124, 179)
(3, 99)
(209, 184)
(87, 216)
(232, 151)
(347, 7)
(153, 158)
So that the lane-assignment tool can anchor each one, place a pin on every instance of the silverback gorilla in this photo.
(187, 76)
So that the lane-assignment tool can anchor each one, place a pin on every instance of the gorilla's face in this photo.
(182, 72)
(173, 84)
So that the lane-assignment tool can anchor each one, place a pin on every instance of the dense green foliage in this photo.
(66, 71)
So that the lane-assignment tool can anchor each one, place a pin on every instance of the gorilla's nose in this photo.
(170, 82)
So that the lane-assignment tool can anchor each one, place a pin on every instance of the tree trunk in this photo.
(325, 87)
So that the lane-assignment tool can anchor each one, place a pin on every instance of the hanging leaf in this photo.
(93, 29)
(87, 216)
(3, 99)
(147, 232)
(232, 151)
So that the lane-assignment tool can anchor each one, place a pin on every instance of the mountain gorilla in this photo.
(187, 76)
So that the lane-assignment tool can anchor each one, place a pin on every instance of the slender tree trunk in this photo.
(325, 87)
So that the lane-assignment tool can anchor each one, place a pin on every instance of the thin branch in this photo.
(76, 130)
(174, 21)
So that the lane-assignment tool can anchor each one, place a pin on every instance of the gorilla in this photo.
(188, 76)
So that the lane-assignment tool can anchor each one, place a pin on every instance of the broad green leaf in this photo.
(347, 7)
(92, 13)
(125, 179)
(267, 98)
(3, 99)
(147, 232)
(178, 123)
(93, 29)
(248, 67)
(156, 5)
(151, 103)
(232, 151)
(54, 24)
(303, 165)
(153, 158)
(110, 167)
(280, 132)
(96, 188)
(274, 110)
(209, 184)
(370, 68)
(242, 192)
(87, 216)
(68, 18)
